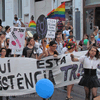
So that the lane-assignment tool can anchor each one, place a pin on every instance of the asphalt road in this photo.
(59, 94)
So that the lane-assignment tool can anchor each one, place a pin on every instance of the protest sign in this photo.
(19, 76)
(17, 38)
(51, 23)
(41, 26)
(17, 51)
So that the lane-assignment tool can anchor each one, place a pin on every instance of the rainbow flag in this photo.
(32, 24)
(58, 13)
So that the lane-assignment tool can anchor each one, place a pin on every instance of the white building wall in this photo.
(1, 9)
(26, 11)
(15, 7)
(30, 7)
(42, 7)
(59, 1)
(8, 13)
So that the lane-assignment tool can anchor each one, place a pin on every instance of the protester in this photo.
(70, 32)
(89, 80)
(70, 48)
(32, 22)
(8, 51)
(30, 50)
(59, 32)
(81, 43)
(60, 25)
(92, 41)
(1, 28)
(40, 49)
(20, 23)
(66, 33)
(3, 54)
(95, 33)
(71, 39)
(8, 33)
(35, 37)
(69, 26)
(98, 41)
(59, 44)
(15, 20)
(51, 51)
(3, 39)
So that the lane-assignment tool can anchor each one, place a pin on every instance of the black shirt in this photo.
(8, 52)
(27, 52)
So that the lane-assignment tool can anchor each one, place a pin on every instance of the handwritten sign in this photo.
(51, 23)
(17, 38)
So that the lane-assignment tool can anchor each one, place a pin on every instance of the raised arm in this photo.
(73, 58)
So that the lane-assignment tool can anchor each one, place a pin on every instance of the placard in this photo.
(41, 26)
(51, 23)
(17, 38)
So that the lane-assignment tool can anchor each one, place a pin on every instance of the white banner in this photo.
(51, 23)
(17, 38)
(18, 76)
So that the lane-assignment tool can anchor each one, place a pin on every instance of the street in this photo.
(59, 94)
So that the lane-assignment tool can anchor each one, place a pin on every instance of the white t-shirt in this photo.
(14, 21)
(59, 47)
(64, 50)
(19, 23)
(37, 44)
(66, 32)
(8, 35)
(89, 63)
(40, 50)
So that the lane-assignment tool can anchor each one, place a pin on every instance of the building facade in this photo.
(91, 15)
(25, 8)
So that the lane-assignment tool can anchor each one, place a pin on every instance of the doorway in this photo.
(97, 17)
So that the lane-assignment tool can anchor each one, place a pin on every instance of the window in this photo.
(3, 10)
(20, 8)
(38, 0)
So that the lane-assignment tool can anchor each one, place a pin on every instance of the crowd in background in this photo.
(63, 43)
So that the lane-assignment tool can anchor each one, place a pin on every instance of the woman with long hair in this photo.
(81, 43)
(89, 80)
(7, 30)
(92, 41)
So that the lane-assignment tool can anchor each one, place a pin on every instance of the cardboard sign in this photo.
(17, 38)
(41, 26)
(51, 23)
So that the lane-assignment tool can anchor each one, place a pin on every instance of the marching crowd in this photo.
(63, 43)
